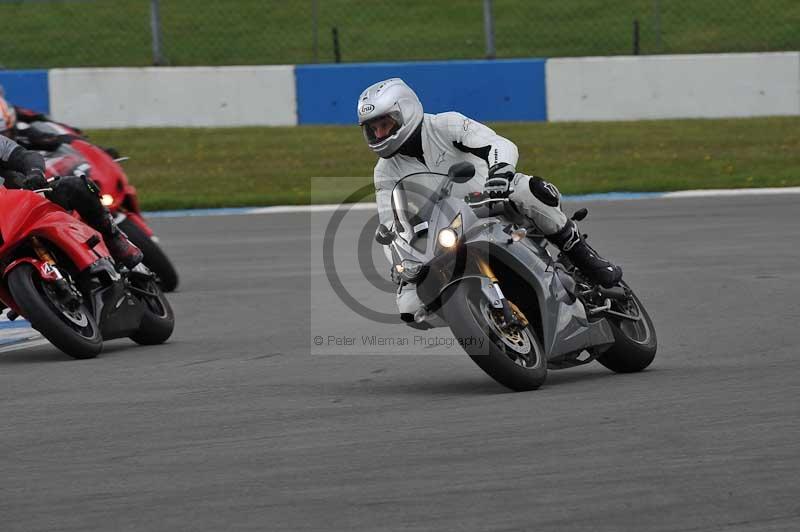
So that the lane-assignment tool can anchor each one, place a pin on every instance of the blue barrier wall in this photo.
(512, 90)
(27, 88)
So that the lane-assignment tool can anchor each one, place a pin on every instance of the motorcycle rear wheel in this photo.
(154, 256)
(75, 332)
(515, 360)
(635, 343)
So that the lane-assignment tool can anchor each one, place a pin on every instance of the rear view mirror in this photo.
(461, 172)
(383, 235)
(580, 214)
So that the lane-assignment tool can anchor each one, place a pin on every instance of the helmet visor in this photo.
(382, 127)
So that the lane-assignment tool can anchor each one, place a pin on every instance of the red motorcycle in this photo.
(79, 155)
(57, 273)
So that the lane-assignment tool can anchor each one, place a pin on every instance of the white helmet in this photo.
(395, 99)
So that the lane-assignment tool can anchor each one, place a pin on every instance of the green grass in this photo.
(193, 168)
(64, 33)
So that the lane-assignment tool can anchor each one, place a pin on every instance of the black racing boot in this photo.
(122, 250)
(597, 269)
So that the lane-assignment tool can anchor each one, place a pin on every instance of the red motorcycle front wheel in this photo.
(70, 328)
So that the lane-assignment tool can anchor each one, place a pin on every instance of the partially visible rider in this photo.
(23, 168)
(408, 140)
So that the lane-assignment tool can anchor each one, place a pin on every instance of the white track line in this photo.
(731, 192)
(23, 344)
(610, 196)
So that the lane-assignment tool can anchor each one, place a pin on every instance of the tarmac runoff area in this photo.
(241, 423)
(17, 334)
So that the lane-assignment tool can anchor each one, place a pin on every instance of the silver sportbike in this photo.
(513, 307)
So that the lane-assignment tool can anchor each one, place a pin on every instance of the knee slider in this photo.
(544, 191)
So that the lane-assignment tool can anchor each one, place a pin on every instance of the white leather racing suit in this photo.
(449, 138)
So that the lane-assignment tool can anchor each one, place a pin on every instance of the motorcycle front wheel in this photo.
(73, 330)
(514, 358)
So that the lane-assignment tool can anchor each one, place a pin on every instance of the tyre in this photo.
(74, 331)
(635, 342)
(515, 359)
(154, 257)
(158, 320)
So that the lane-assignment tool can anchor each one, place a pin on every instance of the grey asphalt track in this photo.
(236, 425)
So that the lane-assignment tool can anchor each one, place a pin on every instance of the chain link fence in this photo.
(73, 33)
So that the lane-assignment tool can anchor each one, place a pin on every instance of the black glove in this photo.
(35, 180)
(498, 183)
(383, 235)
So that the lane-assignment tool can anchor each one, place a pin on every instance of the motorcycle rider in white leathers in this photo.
(408, 140)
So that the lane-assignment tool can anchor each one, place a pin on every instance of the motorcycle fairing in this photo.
(44, 269)
(27, 214)
(565, 326)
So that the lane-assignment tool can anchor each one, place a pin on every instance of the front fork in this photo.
(496, 298)
(64, 289)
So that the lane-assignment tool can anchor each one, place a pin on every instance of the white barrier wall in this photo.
(680, 86)
(592, 88)
(190, 97)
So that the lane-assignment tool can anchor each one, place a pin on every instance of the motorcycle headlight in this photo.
(447, 238)
(107, 200)
(409, 270)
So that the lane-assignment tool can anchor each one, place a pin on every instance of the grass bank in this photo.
(193, 168)
(70, 33)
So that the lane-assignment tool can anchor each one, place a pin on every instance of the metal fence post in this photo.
(337, 53)
(657, 9)
(488, 28)
(155, 30)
